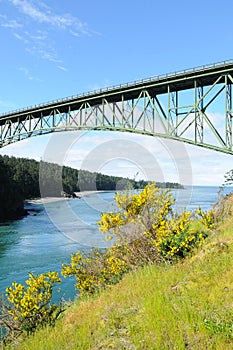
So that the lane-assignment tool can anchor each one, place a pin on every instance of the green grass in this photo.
(185, 306)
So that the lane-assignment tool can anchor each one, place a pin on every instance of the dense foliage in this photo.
(10, 198)
(144, 230)
(29, 307)
(22, 178)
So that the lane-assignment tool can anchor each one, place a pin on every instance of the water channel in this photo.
(44, 239)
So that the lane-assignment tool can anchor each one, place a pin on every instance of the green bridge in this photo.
(193, 106)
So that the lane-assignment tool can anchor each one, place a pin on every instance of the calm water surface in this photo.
(47, 237)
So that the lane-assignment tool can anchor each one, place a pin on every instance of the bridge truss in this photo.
(193, 106)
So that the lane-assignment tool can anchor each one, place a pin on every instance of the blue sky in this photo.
(54, 49)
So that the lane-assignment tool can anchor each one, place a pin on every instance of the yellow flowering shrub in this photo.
(95, 269)
(206, 217)
(161, 232)
(29, 306)
(178, 238)
(145, 230)
(132, 226)
(144, 211)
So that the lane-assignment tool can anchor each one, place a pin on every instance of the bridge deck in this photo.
(204, 76)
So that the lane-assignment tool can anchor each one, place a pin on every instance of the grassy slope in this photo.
(186, 306)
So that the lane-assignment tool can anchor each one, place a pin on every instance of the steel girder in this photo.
(194, 106)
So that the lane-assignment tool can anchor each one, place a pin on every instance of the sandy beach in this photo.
(45, 200)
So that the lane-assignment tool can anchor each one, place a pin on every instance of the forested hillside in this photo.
(11, 205)
(22, 178)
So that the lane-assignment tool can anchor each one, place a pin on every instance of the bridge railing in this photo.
(124, 85)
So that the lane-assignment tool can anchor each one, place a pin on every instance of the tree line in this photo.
(22, 178)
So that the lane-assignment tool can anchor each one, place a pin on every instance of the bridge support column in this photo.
(198, 110)
(228, 114)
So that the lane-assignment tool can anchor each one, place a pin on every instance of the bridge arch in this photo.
(153, 107)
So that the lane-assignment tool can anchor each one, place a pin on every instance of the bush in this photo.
(179, 238)
(96, 269)
(223, 208)
(207, 218)
(138, 213)
(147, 220)
(144, 230)
(29, 307)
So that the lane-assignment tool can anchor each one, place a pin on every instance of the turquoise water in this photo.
(47, 237)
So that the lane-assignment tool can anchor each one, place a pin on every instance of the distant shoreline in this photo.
(79, 195)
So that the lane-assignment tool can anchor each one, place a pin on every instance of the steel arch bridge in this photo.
(179, 106)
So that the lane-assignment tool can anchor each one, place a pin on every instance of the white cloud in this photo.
(62, 68)
(175, 159)
(37, 44)
(9, 23)
(27, 148)
(21, 38)
(27, 73)
(38, 14)
(125, 154)
(35, 24)
(47, 55)
(39, 35)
